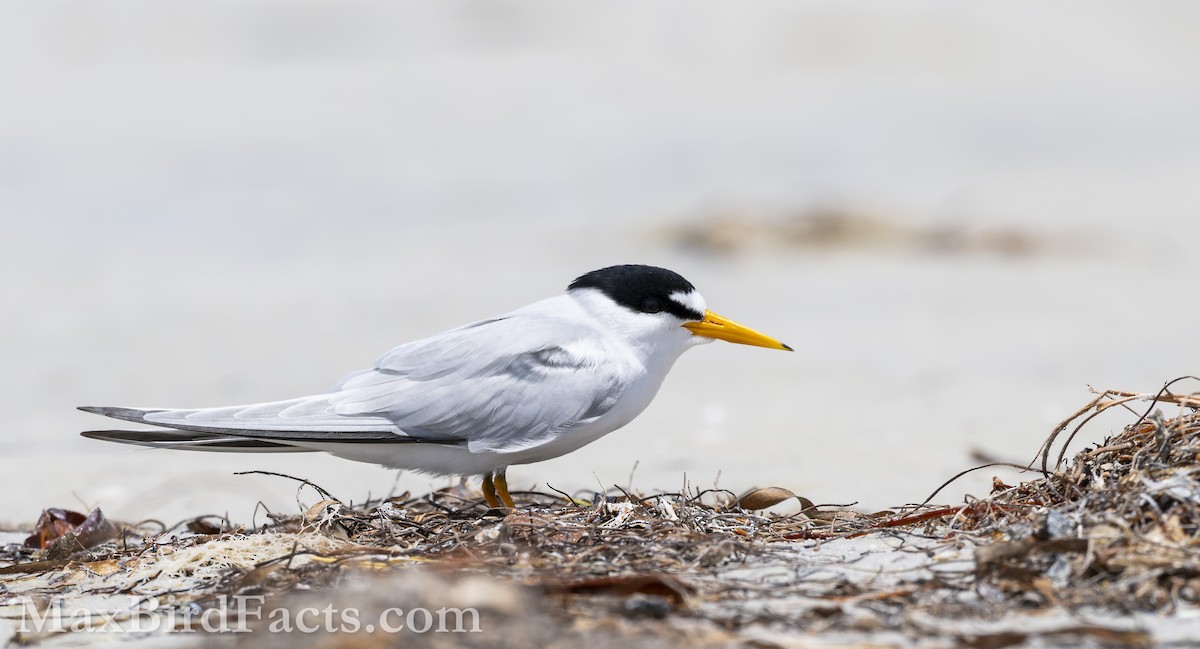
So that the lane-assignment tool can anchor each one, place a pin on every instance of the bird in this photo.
(522, 387)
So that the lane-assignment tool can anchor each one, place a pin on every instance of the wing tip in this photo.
(117, 412)
(123, 436)
(184, 441)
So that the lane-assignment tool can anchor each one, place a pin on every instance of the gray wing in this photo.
(497, 385)
(500, 385)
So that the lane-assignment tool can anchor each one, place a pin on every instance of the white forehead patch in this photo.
(692, 300)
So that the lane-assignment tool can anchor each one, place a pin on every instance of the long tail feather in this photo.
(188, 441)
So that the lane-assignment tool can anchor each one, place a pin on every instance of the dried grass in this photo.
(1117, 526)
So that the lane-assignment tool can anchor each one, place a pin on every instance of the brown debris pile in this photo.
(624, 557)
(1118, 526)
(839, 227)
(558, 536)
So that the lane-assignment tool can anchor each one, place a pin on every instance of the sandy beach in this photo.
(1099, 551)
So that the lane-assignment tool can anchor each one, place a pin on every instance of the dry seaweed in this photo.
(1114, 529)
(845, 227)
(1115, 526)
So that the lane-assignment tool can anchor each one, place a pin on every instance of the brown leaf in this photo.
(102, 568)
(70, 530)
(95, 529)
(768, 497)
(33, 567)
(51, 524)
(318, 510)
(201, 526)
(664, 586)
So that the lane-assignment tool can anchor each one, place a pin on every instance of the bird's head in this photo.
(653, 306)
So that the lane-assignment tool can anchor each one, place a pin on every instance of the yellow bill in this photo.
(715, 326)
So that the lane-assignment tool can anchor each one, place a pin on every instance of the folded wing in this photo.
(495, 385)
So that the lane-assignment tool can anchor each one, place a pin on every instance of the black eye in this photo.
(652, 305)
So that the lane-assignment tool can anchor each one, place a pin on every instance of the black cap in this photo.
(642, 289)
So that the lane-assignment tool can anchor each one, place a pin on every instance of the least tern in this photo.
(526, 386)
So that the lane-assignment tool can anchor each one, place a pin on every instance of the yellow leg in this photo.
(489, 491)
(502, 489)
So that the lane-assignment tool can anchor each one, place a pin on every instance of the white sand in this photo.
(225, 203)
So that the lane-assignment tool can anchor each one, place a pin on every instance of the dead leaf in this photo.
(201, 526)
(62, 532)
(664, 586)
(51, 524)
(318, 510)
(102, 568)
(769, 497)
(33, 567)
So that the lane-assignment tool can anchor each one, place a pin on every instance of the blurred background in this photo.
(961, 216)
